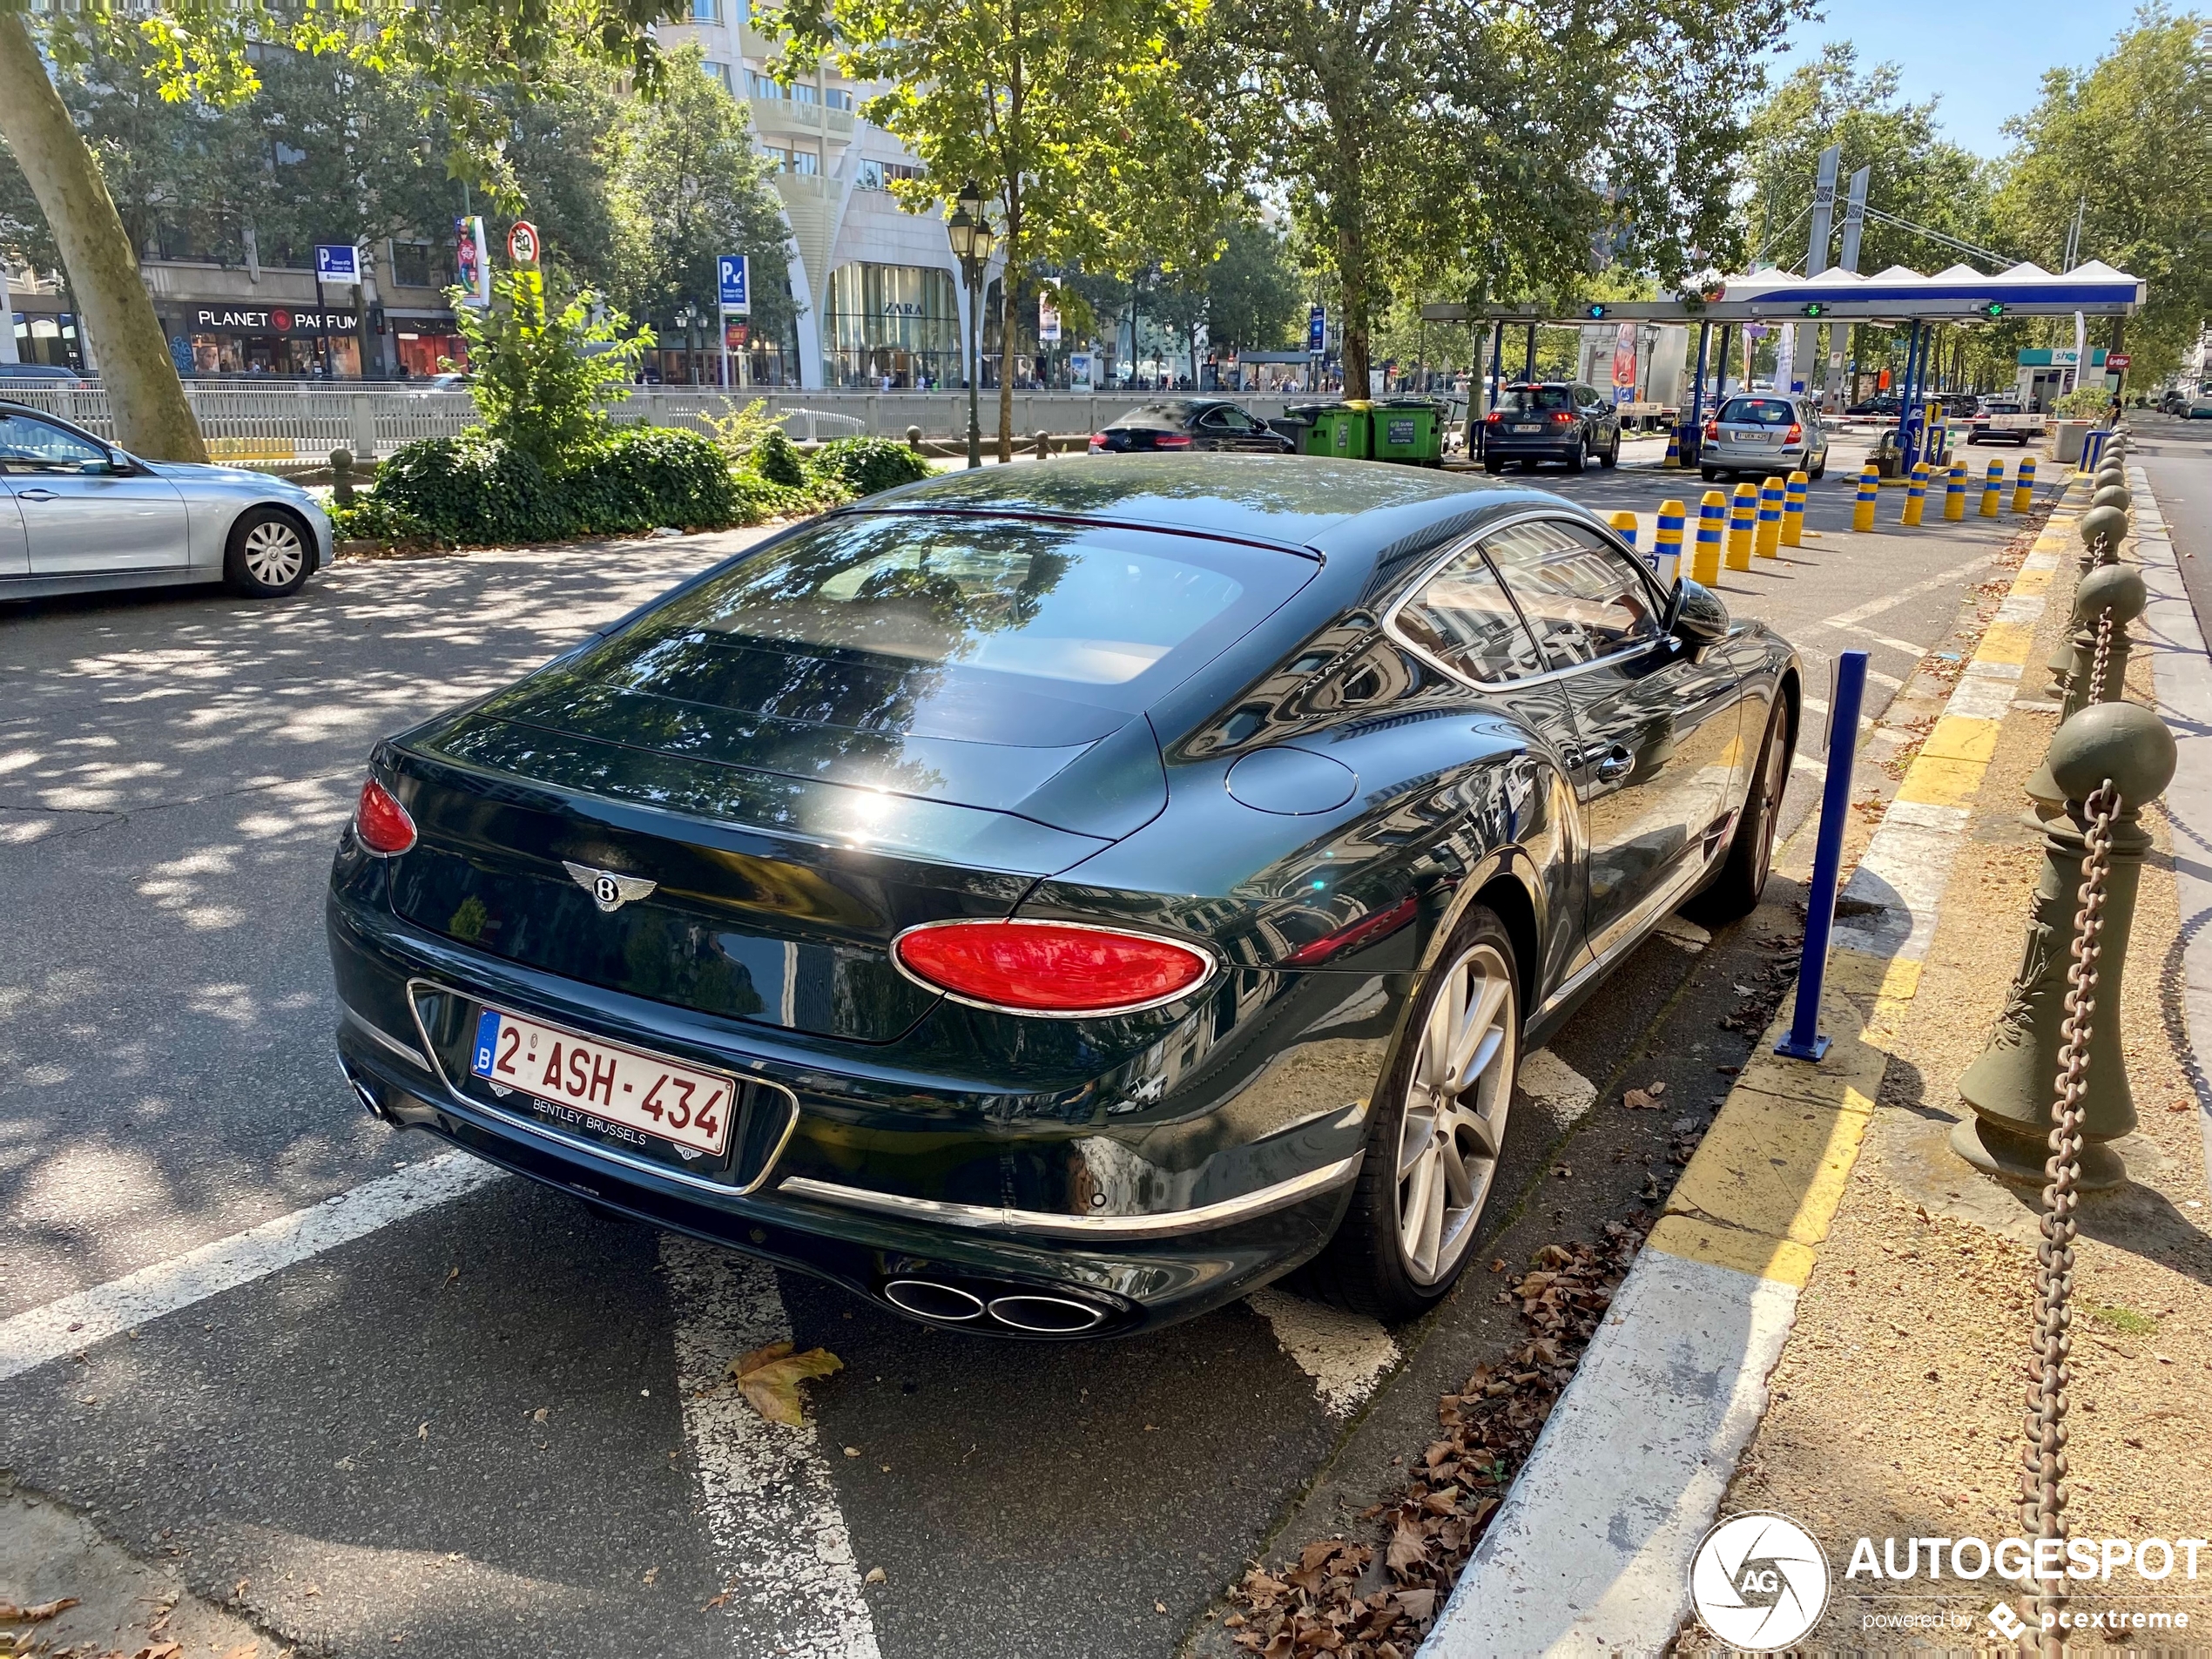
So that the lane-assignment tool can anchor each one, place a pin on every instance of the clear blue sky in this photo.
(1985, 60)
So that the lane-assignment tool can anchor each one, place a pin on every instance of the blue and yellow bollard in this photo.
(1993, 486)
(1954, 492)
(2024, 485)
(1768, 542)
(1673, 447)
(1743, 518)
(1624, 526)
(1916, 495)
(1793, 510)
(1666, 552)
(1870, 490)
(1705, 565)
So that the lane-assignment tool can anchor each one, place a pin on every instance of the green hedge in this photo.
(867, 465)
(473, 490)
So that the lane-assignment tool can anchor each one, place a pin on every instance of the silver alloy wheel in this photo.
(1456, 1100)
(273, 552)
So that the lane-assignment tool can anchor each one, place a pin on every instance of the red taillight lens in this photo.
(382, 823)
(1795, 435)
(1172, 441)
(1049, 967)
(1561, 417)
(1097, 442)
(1493, 418)
(1712, 429)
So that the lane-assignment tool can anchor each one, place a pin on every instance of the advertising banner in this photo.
(471, 260)
(1048, 321)
(1624, 357)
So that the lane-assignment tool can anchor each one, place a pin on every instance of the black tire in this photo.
(1820, 471)
(1364, 1267)
(1612, 456)
(1575, 459)
(1493, 464)
(269, 555)
(1736, 891)
(1708, 473)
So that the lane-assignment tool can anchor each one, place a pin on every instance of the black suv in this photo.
(1562, 421)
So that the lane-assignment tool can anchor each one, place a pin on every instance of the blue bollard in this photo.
(1804, 1040)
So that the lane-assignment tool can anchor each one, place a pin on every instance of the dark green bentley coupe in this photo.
(1055, 900)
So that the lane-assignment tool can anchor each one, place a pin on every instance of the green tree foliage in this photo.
(1917, 174)
(1255, 298)
(1071, 114)
(2130, 141)
(542, 374)
(1481, 147)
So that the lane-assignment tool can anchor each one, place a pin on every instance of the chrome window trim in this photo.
(587, 1149)
(1045, 1223)
(1474, 541)
(1205, 953)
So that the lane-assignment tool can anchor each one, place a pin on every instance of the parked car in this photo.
(1052, 901)
(1762, 434)
(2003, 418)
(1189, 424)
(1883, 406)
(2200, 404)
(1561, 420)
(76, 513)
(40, 374)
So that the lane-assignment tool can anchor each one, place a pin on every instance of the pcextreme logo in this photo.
(1759, 1582)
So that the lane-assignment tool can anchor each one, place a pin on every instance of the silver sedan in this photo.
(78, 513)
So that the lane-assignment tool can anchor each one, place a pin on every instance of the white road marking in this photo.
(1889, 601)
(1345, 1354)
(1904, 646)
(37, 1335)
(1545, 1076)
(765, 1492)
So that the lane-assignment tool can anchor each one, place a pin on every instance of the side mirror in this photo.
(1695, 615)
(98, 469)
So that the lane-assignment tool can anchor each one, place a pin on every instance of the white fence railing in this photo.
(297, 424)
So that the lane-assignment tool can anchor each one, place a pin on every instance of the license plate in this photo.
(1529, 428)
(603, 1084)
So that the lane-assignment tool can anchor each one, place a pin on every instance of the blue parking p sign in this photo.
(337, 262)
(733, 274)
(1317, 325)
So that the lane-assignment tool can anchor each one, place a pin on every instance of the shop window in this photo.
(899, 323)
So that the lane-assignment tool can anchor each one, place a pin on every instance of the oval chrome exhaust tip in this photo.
(927, 1300)
(1046, 1315)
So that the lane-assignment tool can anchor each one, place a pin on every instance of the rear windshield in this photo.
(1157, 414)
(1757, 411)
(867, 621)
(1529, 400)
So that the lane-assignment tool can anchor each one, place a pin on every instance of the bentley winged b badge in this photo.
(609, 891)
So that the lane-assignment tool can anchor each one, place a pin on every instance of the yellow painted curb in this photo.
(1699, 1240)
(1959, 737)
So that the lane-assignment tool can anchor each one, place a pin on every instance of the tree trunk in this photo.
(1008, 309)
(145, 396)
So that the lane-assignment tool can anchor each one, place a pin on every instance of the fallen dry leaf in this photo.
(165, 1650)
(769, 1378)
(10, 1614)
(875, 1576)
(722, 1600)
(245, 1650)
(1641, 1100)
(652, 1575)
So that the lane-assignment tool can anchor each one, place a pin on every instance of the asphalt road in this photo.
(488, 1426)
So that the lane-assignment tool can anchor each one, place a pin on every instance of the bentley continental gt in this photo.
(1056, 901)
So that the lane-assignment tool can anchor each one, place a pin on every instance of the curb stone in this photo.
(1591, 1551)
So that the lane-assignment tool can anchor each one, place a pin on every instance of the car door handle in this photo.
(1616, 763)
(34, 494)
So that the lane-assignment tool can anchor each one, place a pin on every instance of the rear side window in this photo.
(1171, 414)
(1461, 617)
(1583, 597)
(1534, 399)
(1757, 411)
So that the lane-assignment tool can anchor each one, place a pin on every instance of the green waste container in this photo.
(1409, 430)
(1344, 431)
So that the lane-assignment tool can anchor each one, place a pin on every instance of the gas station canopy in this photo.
(1959, 294)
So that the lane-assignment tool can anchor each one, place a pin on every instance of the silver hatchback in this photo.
(1763, 433)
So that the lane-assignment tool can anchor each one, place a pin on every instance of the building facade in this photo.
(881, 300)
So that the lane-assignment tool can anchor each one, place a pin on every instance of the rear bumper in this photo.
(1132, 1265)
(1785, 460)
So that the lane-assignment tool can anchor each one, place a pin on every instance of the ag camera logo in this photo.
(1759, 1582)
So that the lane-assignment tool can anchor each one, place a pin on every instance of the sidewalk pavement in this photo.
(1826, 1233)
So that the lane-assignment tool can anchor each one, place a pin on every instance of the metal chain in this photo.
(2044, 1491)
(2101, 663)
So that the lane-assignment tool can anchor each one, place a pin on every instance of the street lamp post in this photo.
(688, 320)
(969, 232)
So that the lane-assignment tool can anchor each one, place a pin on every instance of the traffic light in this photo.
(1993, 310)
(1815, 308)
(1596, 313)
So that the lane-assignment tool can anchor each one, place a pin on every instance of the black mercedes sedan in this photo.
(1182, 423)
(1056, 901)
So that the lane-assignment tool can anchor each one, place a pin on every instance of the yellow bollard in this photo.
(1916, 494)
(1793, 510)
(1954, 492)
(1674, 450)
(1742, 514)
(1767, 543)
(1705, 565)
(1869, 489)
(1624, 525)
(2024, 485)
(1993, 486)
(1666, 553)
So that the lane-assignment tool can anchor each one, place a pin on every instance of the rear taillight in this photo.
(381, 823)
(1712, 429)
(1049, 968)
(1795, 435)
(1098, 443)
(1561, 417)
(1172, 441)
(1493, 418)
